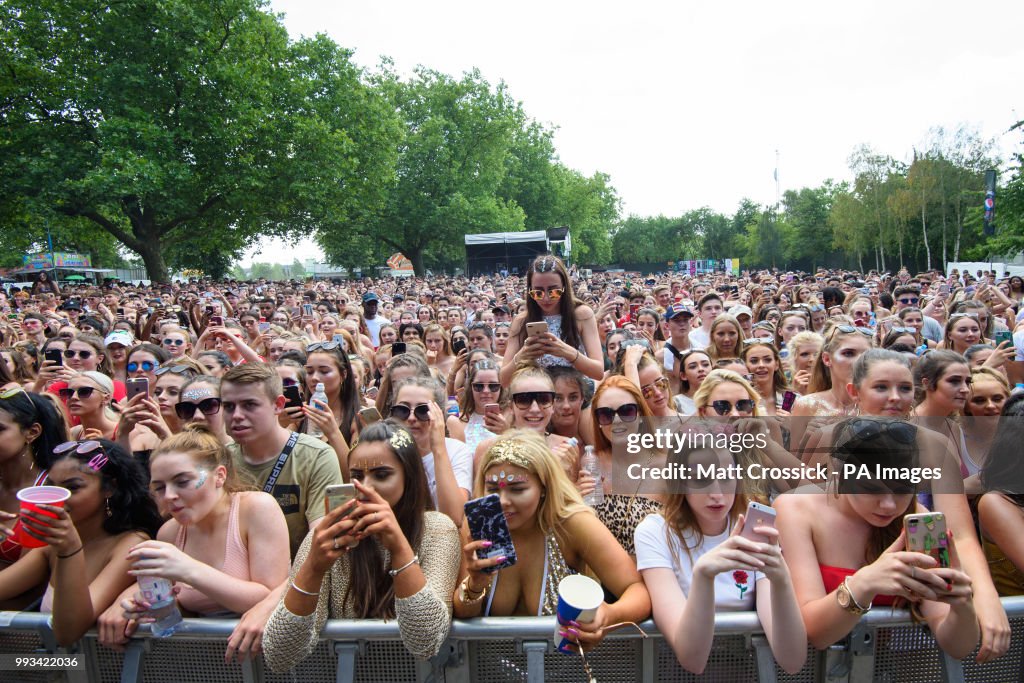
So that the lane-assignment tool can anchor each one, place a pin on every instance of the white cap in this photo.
(122, 337)
(737, 311)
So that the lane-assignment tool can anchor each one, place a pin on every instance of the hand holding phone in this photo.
(758, 515)
(135, 386)
(486, 521)
(536, 329)
(926, 533)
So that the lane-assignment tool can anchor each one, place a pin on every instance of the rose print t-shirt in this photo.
(734, 590)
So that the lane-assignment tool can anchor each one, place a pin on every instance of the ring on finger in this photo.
(913, 572)
(335, 542)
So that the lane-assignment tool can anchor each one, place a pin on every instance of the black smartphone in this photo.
(487, 523)
(55, 355)
(458, 346)
(293, 397)
(397, 349)
(788, 399)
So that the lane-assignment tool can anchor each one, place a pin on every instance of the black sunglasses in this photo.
(525, 399)
(744, 405)
(493, 387)
(83, 392)
(70, 353)
(402, 413)
(627, 412)
(862, 429)
(186, 410)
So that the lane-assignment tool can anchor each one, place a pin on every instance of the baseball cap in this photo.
(678, 309)
(737, 311)
(119, 337)
(370, 296)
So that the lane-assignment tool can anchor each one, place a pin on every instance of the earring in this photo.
(110, 513)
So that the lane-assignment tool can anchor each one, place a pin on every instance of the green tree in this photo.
(183, 126)
(297, 270)
(806, 211)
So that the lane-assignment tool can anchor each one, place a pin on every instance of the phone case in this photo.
(336, 496)
(926, 533)
(788, 399)
(293, 396)
(135, 386)
(757, 515)
(487, 523)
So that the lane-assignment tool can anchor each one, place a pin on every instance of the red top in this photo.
(833, 577)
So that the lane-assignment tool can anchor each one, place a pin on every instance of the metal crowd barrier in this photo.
(885, 646)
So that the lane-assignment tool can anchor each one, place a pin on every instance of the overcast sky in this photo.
(684, 104)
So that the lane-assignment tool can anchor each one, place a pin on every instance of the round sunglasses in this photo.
(402, 412)
(146, 366)
(744, 405)
(83, 354)
(627, 412)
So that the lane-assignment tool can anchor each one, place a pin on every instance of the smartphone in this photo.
(209, 310)
(943, 290)
(757, 515)
(788, 399)
(536, 329)
(486, 522)
(397, 349)
(217, 321)
(926, 533)
(263, 327)
(337, 495)
(307, 310)
(458, 346)
(492, 409)
(339, 339)
(370, 415)
(293, 397)
(1004, 336)
(135, 386)
(120, 310)
(633, 310)
(55, 355)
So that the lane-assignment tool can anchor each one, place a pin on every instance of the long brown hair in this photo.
(566, 305)
(370, 588)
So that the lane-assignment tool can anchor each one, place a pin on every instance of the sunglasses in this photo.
(326, 346)
(176, 369)
(850, 329)
(903, 330)
(758, 340)
(402, 413)
(661, 384)
(79, 447)
(174, 342)
(71, 353)
(146, 365)
(524, 400)
(744, 405)
(493, 387)
(627, 412)
(955, 316)
(186, 410)
(909, 302)
(555, 293)
(82, 392)
(861, 429)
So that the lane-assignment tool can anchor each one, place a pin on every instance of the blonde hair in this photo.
(205, 449)
(724, 319)
(716, 378)
(529, 450)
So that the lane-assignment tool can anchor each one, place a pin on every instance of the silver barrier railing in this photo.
(885, 646)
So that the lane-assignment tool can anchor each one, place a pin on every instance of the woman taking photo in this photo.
(648, 327)
(692, 556)
(555, 535)
(86, 541)
(475, 423)
(571, 338)
(385, 555)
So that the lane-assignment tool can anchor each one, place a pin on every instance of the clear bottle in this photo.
(319, 396)
(452, 406)
(163, 607)
(590, 463)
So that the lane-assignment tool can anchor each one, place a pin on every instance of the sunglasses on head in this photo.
(744, 405)
(174, 342)
(493, 387)
(146, 365)
(524, 400)
(402, 412)
(176, 369)
(850, 329)
(70, 353)
(861, 429)
(767, 341)
(955, 316)
(82, 392)
(79, 447)
(554, 293)
(186, 410)
(903, 330)
(326, 346)
(627, 412)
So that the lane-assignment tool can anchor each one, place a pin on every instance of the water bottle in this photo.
(163, 606)
(1017, 389)
(319, 396)
(590, 463)
(452, 406)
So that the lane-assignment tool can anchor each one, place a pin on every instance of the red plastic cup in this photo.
(31, 498)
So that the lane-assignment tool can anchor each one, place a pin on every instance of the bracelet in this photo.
(577, 357)
(312, 595)
(396, 572)
(80, 549)
(465, 594)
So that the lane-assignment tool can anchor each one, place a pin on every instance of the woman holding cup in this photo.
(83, 540)
(555, 535)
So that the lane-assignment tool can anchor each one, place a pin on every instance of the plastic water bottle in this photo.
(163, 606)
(590, 463)
(452, 406)
(319, 396)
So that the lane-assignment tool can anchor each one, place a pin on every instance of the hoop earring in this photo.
(110, 512)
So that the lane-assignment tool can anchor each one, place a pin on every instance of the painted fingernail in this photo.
(487, 544)
(574, 632)
(501, 559)
(574, 624)
(949, 586)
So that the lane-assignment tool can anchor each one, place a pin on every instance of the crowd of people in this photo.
(201, 426)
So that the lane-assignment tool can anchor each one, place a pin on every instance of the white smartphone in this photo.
(757, 515)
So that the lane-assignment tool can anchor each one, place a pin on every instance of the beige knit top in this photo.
(424, 619)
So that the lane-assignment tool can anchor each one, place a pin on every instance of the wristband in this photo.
(396, 572)
(80, 549)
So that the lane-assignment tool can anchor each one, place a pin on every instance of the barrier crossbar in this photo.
(885, 646)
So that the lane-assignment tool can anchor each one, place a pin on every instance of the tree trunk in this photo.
(924, 229)
(153, 257)
(417, 261)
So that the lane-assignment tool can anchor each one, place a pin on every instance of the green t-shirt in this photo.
(299, 489)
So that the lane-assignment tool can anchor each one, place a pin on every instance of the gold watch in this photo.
(844, 596)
